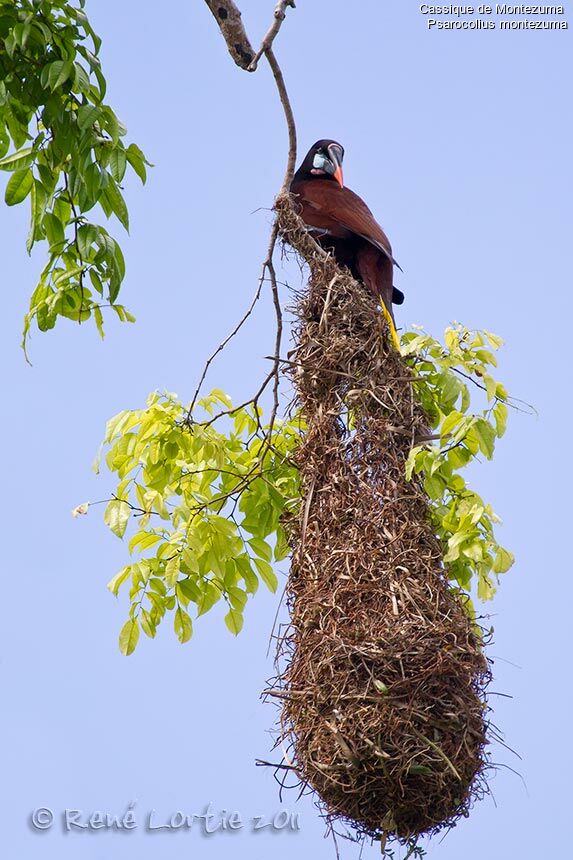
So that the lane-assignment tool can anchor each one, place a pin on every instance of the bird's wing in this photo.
(346, 207)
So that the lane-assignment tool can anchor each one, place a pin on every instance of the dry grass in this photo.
(383, 676)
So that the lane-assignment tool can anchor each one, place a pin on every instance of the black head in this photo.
(323, 161)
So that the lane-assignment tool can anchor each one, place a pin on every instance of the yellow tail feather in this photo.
(393, 333)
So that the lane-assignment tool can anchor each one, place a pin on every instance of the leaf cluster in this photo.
(209, 490)
(64, 148)
(445, 373)
(207, 507)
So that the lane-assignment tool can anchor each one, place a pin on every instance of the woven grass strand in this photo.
(381, 673)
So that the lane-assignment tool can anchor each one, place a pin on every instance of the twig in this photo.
(262, 763)
(413, 848)
(269, 267)
(266, 44)
(77, 244)
(437, 749)
(252, 400)
(289, 116)
(228, 18)
(221, 347)
(509, 401)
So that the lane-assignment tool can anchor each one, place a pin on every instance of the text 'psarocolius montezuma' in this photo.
(342, 222)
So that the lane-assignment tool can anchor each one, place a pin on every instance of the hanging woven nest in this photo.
(383, 675)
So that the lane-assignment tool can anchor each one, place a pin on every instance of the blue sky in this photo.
(460, 143)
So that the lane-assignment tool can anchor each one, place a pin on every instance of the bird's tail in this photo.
(376, 272)
(393, 333)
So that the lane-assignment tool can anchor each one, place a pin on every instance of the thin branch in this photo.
(269, 267)
(253, 400)
(222, 346)
(229, 21)
(262, 763)
(289, 116)
(228, 18)
(267, 43)
(274, 373)
(509, 401)
(76, 243)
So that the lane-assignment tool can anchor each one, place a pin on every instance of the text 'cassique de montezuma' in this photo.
(500, 9)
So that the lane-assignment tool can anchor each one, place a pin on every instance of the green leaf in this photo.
(96, 281)
(117, 163)
(129, 637)
(116, 516)
(267, 574)
(261, 548)
(282, 546)
(473, 550)
(189, 589)
(451, 423)
(234, 621)
(183, 625)
(88, 115)
(58, 72)
(500, 415)
(117, 581)
(486, 436)
(490, 385)
(158, 585)
(54, 229)
(419, 770)
(172, 569)
(381, 687)
(98, 317)
(18, 187)
(148, 625)
(411, 461)
(37, 206)
(503, 560)
(247, 574)
(21, 33)
(486, 588)
(434, 486)
(496, 342)
(86, 236)
(237, 597)
(81, 79)
(137, 160)
(20, 160)
(117, 203)
(209, 596)
(143, 540)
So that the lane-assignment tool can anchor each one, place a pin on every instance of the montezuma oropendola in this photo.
(341, 222)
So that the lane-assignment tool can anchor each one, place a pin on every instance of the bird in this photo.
(342, 223)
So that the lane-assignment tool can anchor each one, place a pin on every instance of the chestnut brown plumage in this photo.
(342, 222)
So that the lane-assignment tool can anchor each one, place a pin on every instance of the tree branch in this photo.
(230, 24)
(289, 116)
(221, 347)
(267, 43)
(229, 21)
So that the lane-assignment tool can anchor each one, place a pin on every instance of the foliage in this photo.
(67, 155)
(463, 521)
(209, 503)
